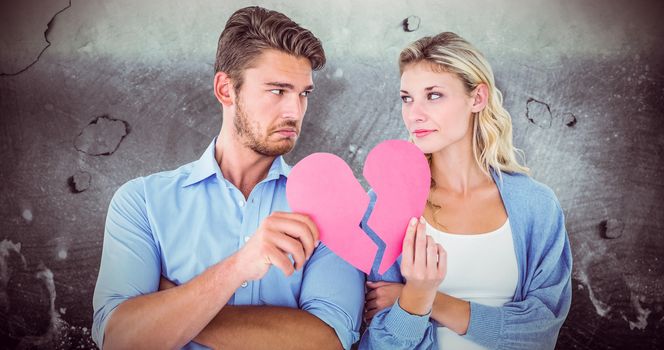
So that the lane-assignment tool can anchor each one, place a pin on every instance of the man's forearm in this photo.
(267, 327)
(171, 318)
(451, 312)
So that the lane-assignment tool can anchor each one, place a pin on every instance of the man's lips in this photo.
(287, 132)
(422, 132)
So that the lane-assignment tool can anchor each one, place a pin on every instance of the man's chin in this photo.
(276, 148)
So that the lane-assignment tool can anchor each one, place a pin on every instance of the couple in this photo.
(210, 254)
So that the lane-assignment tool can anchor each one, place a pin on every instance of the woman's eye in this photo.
(435, 96)
(406, 99)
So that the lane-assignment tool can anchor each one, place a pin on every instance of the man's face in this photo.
(271, 102)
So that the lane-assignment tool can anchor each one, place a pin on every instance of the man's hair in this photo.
(251, 30)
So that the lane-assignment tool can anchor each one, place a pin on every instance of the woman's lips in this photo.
(422, 133)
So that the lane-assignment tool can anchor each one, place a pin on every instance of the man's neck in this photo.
(240, 165)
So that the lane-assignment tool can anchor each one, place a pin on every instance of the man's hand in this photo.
(165, 283)
(279, 235)
(381, 295)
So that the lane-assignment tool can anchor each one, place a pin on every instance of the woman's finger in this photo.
(432, 255)
(408, 243)
(419, 259)
(442, 261)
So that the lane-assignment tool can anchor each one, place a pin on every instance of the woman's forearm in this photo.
(451, 312)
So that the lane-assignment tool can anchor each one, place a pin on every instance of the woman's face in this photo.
(436, 108)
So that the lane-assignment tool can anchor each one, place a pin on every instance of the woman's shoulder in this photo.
(523, 190)
(534, 211)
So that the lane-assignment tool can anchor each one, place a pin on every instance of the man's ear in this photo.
(223, 89)
(481, 98)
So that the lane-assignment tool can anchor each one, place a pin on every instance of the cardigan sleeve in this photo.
(395, 328)
(534, 321)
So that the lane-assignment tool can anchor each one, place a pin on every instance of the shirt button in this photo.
(245, 284)
(240, 203)
(246, 239)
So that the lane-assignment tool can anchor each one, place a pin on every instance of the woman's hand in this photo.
(423, 265)
(380, 295)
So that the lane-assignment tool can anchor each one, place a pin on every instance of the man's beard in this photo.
(257, 141)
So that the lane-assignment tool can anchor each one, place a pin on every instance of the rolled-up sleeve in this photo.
(130, 264)
(333, 291)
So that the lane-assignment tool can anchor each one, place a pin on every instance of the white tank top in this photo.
(481, 268)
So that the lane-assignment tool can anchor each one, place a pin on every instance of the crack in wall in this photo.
(49, 26)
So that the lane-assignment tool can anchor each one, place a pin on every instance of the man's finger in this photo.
(371, 304)
(285, 223)
(368, 316)
(304, 218)
(290, 246)
(371, 295)
(378, 284)
(279, 259)
(165, 283)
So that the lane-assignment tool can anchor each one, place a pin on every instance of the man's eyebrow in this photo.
(288, 86)
(281, 85)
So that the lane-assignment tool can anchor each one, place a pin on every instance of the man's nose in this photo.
(293, 107)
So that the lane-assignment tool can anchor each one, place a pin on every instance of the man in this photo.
(246, 273)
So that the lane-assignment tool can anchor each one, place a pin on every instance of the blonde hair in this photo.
(492, 127)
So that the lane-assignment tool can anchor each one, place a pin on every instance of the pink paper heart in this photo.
(400, 176)
(323, 186)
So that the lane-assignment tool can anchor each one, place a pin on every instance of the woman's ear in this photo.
(223, 89)
(481, 98)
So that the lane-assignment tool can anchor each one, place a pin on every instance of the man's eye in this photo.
(277, 91)
(305, 93)
(406, 99)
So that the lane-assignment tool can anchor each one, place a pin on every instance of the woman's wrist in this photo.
(416, 301)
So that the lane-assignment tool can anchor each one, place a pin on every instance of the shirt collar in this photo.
(207, 166)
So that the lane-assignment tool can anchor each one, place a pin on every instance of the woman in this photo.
(489, 264)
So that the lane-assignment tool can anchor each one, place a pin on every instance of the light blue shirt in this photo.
(178, 223)
(532, 319)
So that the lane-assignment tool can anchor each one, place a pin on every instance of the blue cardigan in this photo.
(543, 295)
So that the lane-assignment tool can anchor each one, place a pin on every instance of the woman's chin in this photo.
(426, 147)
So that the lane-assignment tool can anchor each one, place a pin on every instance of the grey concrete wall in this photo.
(94, 93)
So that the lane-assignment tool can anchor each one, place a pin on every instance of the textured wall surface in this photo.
(94, 93)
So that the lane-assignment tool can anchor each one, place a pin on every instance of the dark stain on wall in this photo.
(102, 136)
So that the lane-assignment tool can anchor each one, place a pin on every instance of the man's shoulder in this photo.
(159, 181)
(169, 177)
